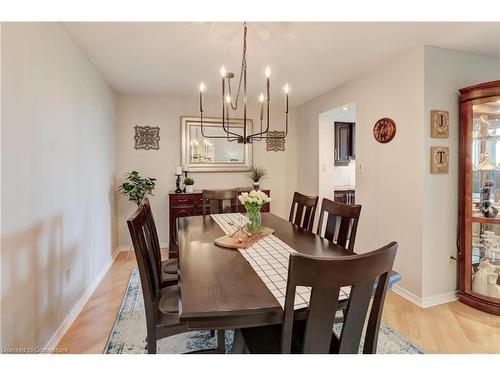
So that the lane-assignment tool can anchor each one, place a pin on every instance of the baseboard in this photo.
(124, 247)
(416, 300)
(80, 304)
(425, 302)
(439, 299)
(163, 245)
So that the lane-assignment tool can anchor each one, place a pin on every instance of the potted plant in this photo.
(256, 174)
(189, 182)
(136, 188)
(253, 202)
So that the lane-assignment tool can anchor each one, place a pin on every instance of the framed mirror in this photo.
(200, 154)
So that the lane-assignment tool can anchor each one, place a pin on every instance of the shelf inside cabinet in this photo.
(493, 137)
(485, 220)
(476, 169)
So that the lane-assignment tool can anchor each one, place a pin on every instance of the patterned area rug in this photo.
(128, 335)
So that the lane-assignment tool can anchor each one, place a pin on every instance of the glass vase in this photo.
(254, 225)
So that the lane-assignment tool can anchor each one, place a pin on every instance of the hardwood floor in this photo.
(89, 332)
(449, 328)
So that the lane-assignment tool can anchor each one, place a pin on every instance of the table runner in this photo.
(269, 258)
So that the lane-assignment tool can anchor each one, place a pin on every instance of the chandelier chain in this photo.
(234, 105)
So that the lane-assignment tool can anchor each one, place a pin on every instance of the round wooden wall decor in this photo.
(384, 130)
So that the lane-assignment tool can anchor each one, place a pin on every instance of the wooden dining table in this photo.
(219, 289)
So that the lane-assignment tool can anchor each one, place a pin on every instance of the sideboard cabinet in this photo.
(480, 197)
(190, 204)
(345, 196)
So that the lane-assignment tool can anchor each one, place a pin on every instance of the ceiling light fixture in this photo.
(230, 102)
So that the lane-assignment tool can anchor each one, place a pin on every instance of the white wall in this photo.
(446, 71)
(401, 200)
(390, 188)
(165, 111)
(58, 162)
(0, 186)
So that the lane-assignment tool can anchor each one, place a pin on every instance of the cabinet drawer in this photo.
(182, 200)
(181, 212)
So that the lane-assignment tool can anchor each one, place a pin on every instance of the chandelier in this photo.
(230, 102)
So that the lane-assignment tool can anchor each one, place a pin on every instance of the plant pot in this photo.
(189, 189)
(256, 185)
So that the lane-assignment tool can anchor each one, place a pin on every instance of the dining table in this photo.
(218, 287)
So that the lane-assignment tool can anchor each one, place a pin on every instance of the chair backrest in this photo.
(138, 228)
(214, 200)
(341, 223)
(303, 210)
(152, 234)
(326, 276)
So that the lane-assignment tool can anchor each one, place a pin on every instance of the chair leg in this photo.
(151, 344)
(221, 341)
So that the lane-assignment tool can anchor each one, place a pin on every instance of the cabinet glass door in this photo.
(485, 160)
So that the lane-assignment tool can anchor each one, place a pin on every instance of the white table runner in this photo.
(269, 258)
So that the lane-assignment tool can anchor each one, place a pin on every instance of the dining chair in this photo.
(214, 200)
(314, 332)
(341, 223)
(160, 304)
(244, 189)
(166, 268)
(303, 210)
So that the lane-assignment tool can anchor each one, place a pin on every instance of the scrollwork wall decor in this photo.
(275, 144)
(147, 137)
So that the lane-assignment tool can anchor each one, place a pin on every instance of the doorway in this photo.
(337, 154)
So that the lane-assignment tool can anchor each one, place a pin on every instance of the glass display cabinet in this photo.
(480, 197)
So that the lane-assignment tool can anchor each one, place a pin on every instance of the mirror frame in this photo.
(244, 166)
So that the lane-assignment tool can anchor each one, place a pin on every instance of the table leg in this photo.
(221, 341)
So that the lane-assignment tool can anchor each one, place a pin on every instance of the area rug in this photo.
(128, 335)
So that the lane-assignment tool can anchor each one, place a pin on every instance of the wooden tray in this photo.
(233, 243)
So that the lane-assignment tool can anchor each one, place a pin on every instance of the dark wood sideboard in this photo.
(345, 196)
(189, 204)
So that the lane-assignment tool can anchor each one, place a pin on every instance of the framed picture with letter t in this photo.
(440, 159)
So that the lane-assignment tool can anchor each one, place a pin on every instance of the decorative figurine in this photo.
(178, 184)
(480, 278)
(493, 290)
(185, 176)
(484, 162)
(483, 126)
(487, 209)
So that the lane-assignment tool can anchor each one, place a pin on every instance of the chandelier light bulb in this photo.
(268, 71)
(222, 71)
(261, 98)
(202, 87)
(286, 88)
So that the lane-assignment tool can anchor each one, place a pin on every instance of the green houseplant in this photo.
(136, 187)
(256, 174)
(189, 182)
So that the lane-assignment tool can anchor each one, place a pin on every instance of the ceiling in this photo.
(173, 57)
